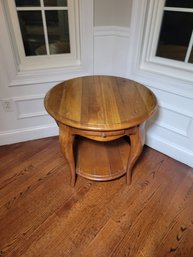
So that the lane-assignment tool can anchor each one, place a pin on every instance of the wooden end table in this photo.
(104, 116)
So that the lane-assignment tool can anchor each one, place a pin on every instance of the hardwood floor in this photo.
(41, 215)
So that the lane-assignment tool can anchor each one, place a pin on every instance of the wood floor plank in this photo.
(157, 200)
(41, 215)
(72, 230)
(105, 241)
(14, 160)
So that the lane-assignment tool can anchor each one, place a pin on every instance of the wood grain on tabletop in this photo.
(100, 103)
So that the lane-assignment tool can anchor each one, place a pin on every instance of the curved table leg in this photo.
(66, 139)
(137, 141)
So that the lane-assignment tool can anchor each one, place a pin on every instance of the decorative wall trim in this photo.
(27, 97)
(173, 121)
(111, 31)
(32, 114)
(25, 134)
(28, 114)
(172, 128)
(53, 75)
(187, 113)
(173, 150)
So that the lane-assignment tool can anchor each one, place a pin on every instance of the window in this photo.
(176, 34)
(168, 39)
(45, 32)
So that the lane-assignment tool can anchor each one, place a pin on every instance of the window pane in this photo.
(175, 35)
(180, 3)
(58, 31)
(32, 32)
(27, 3)
(55, 2)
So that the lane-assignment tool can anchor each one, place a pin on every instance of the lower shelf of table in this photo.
(101, 161)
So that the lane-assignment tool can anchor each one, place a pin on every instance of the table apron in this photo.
(104, 135)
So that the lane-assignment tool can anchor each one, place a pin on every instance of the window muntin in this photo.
(44, 31)
(57, 45)
(175, 40)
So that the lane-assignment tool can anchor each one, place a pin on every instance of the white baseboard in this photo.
(174, 151)
(25, 134)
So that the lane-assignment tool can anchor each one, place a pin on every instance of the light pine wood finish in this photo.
(101, 108)
(42, 216)
(100, 103)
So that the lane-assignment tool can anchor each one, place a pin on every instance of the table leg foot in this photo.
(136, 142)
(66, 139)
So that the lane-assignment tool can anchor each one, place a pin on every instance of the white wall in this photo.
(112, 13)
(111, 36)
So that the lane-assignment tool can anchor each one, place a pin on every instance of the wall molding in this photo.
(54, 75)
(167, 147)
(26, 134)
(31, 115)
(176, 109)
(117, 31)
(30, 98)
(172, 128)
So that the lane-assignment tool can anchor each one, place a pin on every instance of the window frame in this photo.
(26, 63)
(149, 61)
(45, 77)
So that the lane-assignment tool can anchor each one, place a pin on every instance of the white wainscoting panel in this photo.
(168, 145)
(171, 129)
(111, 45)
(174, 101)
(172, 121)
(30, 106)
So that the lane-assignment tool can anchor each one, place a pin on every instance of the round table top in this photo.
(100, 103)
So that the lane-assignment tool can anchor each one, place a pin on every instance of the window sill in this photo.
(32, 77)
